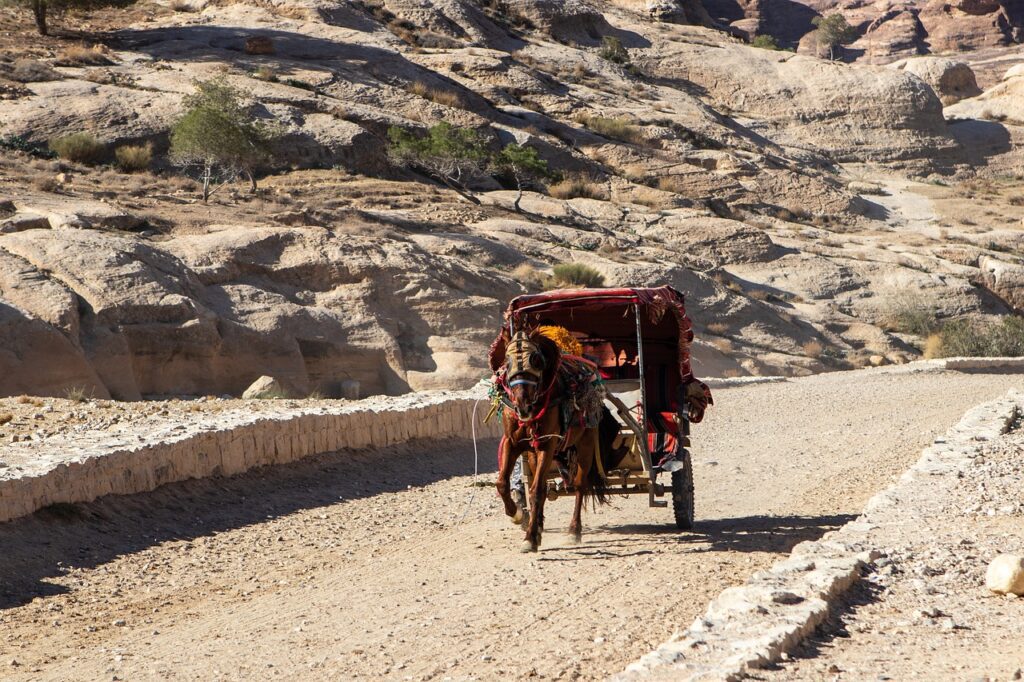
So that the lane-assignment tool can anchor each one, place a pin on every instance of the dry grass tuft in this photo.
(80, 55)
(445, 98)
(813, 349)
(723, 345)
(576, 274)
(578, 186)
(933, 346)
(615, 128)
(5, 418)
(133, 158)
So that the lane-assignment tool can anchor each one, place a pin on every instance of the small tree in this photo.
(41, 9)
(523, 165)
(833, 31)
(219, 137)
(765, 42)
(455, 156)
(613, 50)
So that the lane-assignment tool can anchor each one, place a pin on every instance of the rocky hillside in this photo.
(771, 187)
(884, 28)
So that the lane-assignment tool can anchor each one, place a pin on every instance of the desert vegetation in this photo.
(218, 138)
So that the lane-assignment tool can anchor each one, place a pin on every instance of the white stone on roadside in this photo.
(1006, 575)
(264, 387)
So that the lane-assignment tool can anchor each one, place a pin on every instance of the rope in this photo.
(476, 463)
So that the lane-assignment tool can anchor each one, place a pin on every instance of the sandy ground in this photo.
(396, 565)
(925, 613)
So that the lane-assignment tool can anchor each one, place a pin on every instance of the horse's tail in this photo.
(607, 429)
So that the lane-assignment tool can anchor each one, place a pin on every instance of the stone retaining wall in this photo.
(76, 468)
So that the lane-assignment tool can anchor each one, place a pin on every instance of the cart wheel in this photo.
(682, 494)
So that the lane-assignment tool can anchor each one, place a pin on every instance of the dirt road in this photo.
(397, 565)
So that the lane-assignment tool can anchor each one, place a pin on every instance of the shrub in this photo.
(79, 55)
(576, 274)
(765, 42)
(5, 418)
(79, 147)
(833, 31)
(443, 97)
(455, 156)
(574, 186)
(911, 316)
(78, 394)
(219, 137)
(813, 349)
(524, 165)
(613, 50)
(265, 73)
(131, 158)
(615, 128)
(966, 337)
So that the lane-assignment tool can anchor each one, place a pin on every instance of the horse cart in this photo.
(636, 343)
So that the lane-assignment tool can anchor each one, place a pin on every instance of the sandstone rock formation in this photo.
(885, 29)
(702, 162)
(1003, 102)
(952, 80)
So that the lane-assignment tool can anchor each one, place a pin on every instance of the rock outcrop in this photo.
(952, 80)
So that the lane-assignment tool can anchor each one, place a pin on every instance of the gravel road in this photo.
(397, 564)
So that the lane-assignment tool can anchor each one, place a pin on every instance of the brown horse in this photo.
(532, 388)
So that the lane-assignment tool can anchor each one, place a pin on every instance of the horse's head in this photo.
(528, 360)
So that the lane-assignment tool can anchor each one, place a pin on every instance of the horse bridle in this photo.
(524, 362)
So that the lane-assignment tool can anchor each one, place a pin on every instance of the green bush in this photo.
(79, 147)
(131, 158)
(974, 338)
(765, 42)
(613, 50)
(455, 156)
(911, 319)
(576, 274)
(219, 137)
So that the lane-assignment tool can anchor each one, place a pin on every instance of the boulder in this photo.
(563, 19)
(1006, 280)
(263, 388)
(1005, 575)
(952, 80)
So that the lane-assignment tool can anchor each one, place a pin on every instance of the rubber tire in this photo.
(682, 494)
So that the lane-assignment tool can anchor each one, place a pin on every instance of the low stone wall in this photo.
(751, 626)
(77, 468)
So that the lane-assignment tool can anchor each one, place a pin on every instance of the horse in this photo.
(533, 386)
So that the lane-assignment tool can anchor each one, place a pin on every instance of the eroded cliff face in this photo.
(721, 172)
(885, 29)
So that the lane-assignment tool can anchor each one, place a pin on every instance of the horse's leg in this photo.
(508, 461)
(541, 463)
(585, 452)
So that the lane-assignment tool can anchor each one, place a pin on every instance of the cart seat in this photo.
(618, 386)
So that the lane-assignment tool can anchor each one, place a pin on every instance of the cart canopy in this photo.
(616, 327)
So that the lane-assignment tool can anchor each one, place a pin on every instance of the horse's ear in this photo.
(496, 357)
